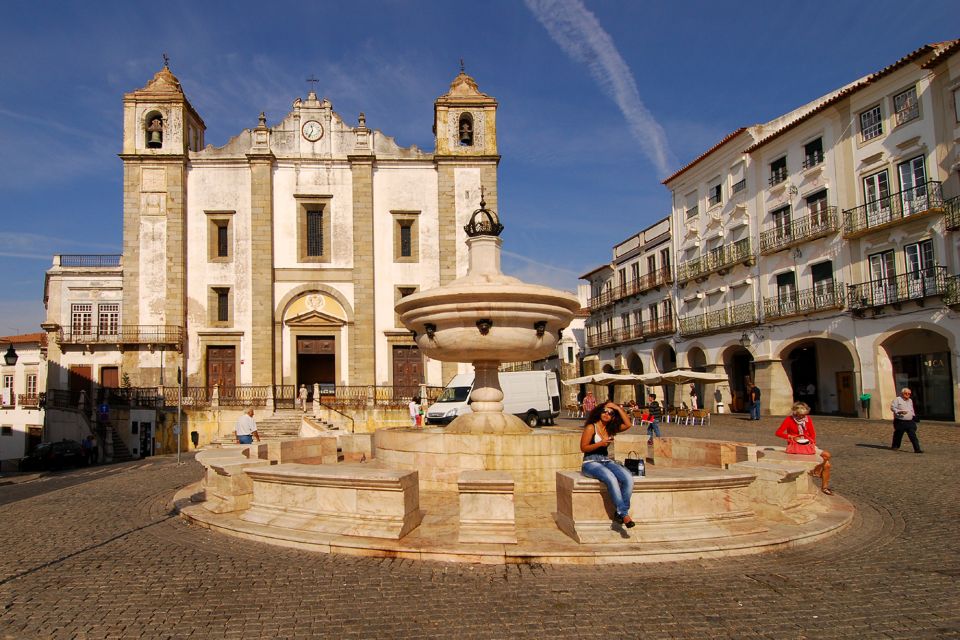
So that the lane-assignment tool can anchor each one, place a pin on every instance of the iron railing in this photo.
(63, 399)
(123, 334)
(644, 283)
(815, 225)
(28, 400)
(953, 213)
(735, 316)
(823, 296)
(604, 299)
(718, 259)
(952, 297)
(75, 260)
(915, 285)
(658, 327)
(812, 159)
(892, 209)
(740, 185)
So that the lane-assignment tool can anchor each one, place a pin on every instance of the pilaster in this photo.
(261, 268)
(362, 332)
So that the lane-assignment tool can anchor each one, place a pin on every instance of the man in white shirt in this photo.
(904, 421)
(247, 428)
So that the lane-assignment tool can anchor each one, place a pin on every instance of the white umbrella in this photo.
(680, 376)
(604, 379)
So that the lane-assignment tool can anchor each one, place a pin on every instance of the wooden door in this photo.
(845, 393)
(110, 377)
(221, 367)
(407, 368)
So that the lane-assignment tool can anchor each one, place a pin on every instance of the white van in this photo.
(532, 396)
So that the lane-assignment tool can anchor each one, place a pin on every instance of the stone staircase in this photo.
(120, 451)
(282, 425)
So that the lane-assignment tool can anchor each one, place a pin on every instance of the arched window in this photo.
(153, 128)
(465, 130)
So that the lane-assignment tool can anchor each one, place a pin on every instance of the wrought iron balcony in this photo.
(813, 159)
(599, 339)
(646, 282)
(123, 334)
(952, 207)
(895, 290)
(720, 259)
(952, 297)
(658, 327)
(816, 225)
(605, 299)
(28, 400)
(893, 209)
(740, 315)
(822, 297)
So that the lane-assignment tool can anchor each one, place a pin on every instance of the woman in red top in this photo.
(797, 429)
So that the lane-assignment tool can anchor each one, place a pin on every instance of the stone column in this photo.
(776, 396)
(261, 268)
(447, 211)
(362, 365)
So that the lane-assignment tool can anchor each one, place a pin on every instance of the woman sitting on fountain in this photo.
(603, 423)
(797, 429)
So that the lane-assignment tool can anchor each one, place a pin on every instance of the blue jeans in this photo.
(754, 410)
(653, 429)
(245, 439)
(619, 481)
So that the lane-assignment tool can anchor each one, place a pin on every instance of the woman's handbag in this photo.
(635, 465)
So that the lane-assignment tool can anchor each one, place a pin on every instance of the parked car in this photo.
(55, 455)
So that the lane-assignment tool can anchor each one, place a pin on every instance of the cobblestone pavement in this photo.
(106, 558)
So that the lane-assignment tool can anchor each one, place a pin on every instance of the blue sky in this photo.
(598, 100)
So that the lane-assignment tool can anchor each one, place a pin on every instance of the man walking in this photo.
(655, 411)
(904, 420)
(247, 428)
(302, 395)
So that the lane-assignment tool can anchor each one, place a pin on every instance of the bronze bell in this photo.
(155, 134)
(466, 133)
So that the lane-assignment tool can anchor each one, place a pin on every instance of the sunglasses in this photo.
(609, 411)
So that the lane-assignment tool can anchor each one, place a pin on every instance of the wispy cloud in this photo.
(41, 247)
(578, 32)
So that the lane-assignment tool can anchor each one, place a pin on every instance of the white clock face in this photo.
(312, 130)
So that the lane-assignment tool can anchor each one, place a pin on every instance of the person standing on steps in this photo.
(302, 395)
(904, 420)
(247, 428)
(414, 408)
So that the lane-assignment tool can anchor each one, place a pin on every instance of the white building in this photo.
(21, 416)
(817, 253)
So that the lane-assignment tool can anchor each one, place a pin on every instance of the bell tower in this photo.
(160, 129)
(465, 120)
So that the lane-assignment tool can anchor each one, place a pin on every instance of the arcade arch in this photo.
(822, 372)
(920, 359)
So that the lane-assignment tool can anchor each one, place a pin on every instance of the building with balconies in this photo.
(818, 254)
(631, 306)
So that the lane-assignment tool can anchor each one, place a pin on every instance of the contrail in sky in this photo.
(580, 35)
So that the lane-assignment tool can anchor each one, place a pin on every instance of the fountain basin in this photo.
(532, 459)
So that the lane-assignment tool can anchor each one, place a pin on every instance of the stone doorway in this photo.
(316, 361)
(221, 367)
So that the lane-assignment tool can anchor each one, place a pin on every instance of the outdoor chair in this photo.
(682, 416)
(699, 414)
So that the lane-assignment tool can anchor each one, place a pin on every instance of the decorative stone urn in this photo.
(487, 318)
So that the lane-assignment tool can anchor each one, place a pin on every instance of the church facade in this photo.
(280, 255)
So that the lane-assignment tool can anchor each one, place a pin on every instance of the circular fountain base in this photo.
(532, 457)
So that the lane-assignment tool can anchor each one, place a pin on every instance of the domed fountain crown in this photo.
(483, 222)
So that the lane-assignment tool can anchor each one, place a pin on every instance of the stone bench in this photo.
(670, 504)
(345, 499)
(487, 512)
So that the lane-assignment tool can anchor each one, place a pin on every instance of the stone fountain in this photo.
(449, 493)
(484, 318)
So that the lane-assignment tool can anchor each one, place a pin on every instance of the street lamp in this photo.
(10, 357)
(744, 340)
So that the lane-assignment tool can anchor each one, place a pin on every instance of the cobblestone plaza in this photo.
(99, 553)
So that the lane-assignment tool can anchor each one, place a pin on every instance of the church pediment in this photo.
(313, 319)
(315, 310)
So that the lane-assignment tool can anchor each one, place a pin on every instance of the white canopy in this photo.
(605, 378)
(679, 377)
